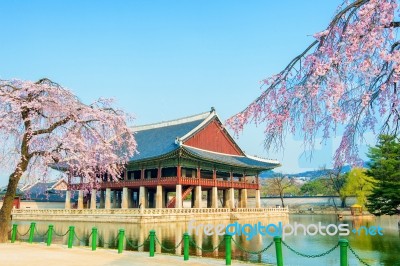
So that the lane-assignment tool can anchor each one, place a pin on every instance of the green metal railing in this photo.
(186, 240)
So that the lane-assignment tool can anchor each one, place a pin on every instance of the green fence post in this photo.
(228, 250)
(121, 236)
(49, 234)
(31, 232)
(152, 242)
(94, 238)
(343, 251)
(14, 233)
(71, 236)
(185, 246)
(278, 249)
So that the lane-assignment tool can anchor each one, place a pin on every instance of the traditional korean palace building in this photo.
(188, 156)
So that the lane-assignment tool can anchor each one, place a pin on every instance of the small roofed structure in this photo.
(356, 210)
(17, 198)
(182, 157)
(53, 191)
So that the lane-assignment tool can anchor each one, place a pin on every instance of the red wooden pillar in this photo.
(198, 175)
(159, 173)
(178, 173)
(215, 176)
(231, 177)
(142, 174)
(125, 174)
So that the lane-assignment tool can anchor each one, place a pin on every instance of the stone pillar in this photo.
(214, 197)
(178, 197)
(80, 200)
(159, 197)
(68, 199)
(107, 204)
(229, 198)
(142, 197)
(243, 198)
(101, 199)
(197, 197)
(258, 199)
(124, 203)
(93, 199)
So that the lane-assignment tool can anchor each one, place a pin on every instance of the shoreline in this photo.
(38, 254)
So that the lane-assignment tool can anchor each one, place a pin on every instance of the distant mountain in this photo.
(309, 174)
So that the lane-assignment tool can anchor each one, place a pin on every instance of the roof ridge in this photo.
(211, 115)
(234, 155)
(267, 160)
(173, 122)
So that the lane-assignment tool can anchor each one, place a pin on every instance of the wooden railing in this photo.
(172, 181)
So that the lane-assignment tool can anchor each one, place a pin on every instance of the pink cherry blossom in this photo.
(347, 78)
(44, 125)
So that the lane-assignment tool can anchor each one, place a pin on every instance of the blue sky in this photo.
(162, 60)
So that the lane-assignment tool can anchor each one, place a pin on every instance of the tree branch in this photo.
(52, 127)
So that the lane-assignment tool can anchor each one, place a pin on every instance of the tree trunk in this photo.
(343, 204)
(334, 203)
(5, 211)
(281, 195)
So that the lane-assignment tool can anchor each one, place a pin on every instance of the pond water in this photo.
(373, 249)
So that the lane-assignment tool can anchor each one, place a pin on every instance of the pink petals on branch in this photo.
(347, 78)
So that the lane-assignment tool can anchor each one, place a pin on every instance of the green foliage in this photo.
(358, 184)
(317, 187)
(385, 169)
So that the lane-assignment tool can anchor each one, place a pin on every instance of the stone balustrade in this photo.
(147, 211)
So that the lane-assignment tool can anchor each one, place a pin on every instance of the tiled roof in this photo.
(160, 139)
(3, 191)
(241, 161)
(43, 191)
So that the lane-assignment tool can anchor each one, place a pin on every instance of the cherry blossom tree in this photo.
(43, 124)
(345, 81)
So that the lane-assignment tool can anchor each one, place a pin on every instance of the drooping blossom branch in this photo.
(344, 82)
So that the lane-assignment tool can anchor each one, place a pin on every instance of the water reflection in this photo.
(375, 250)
